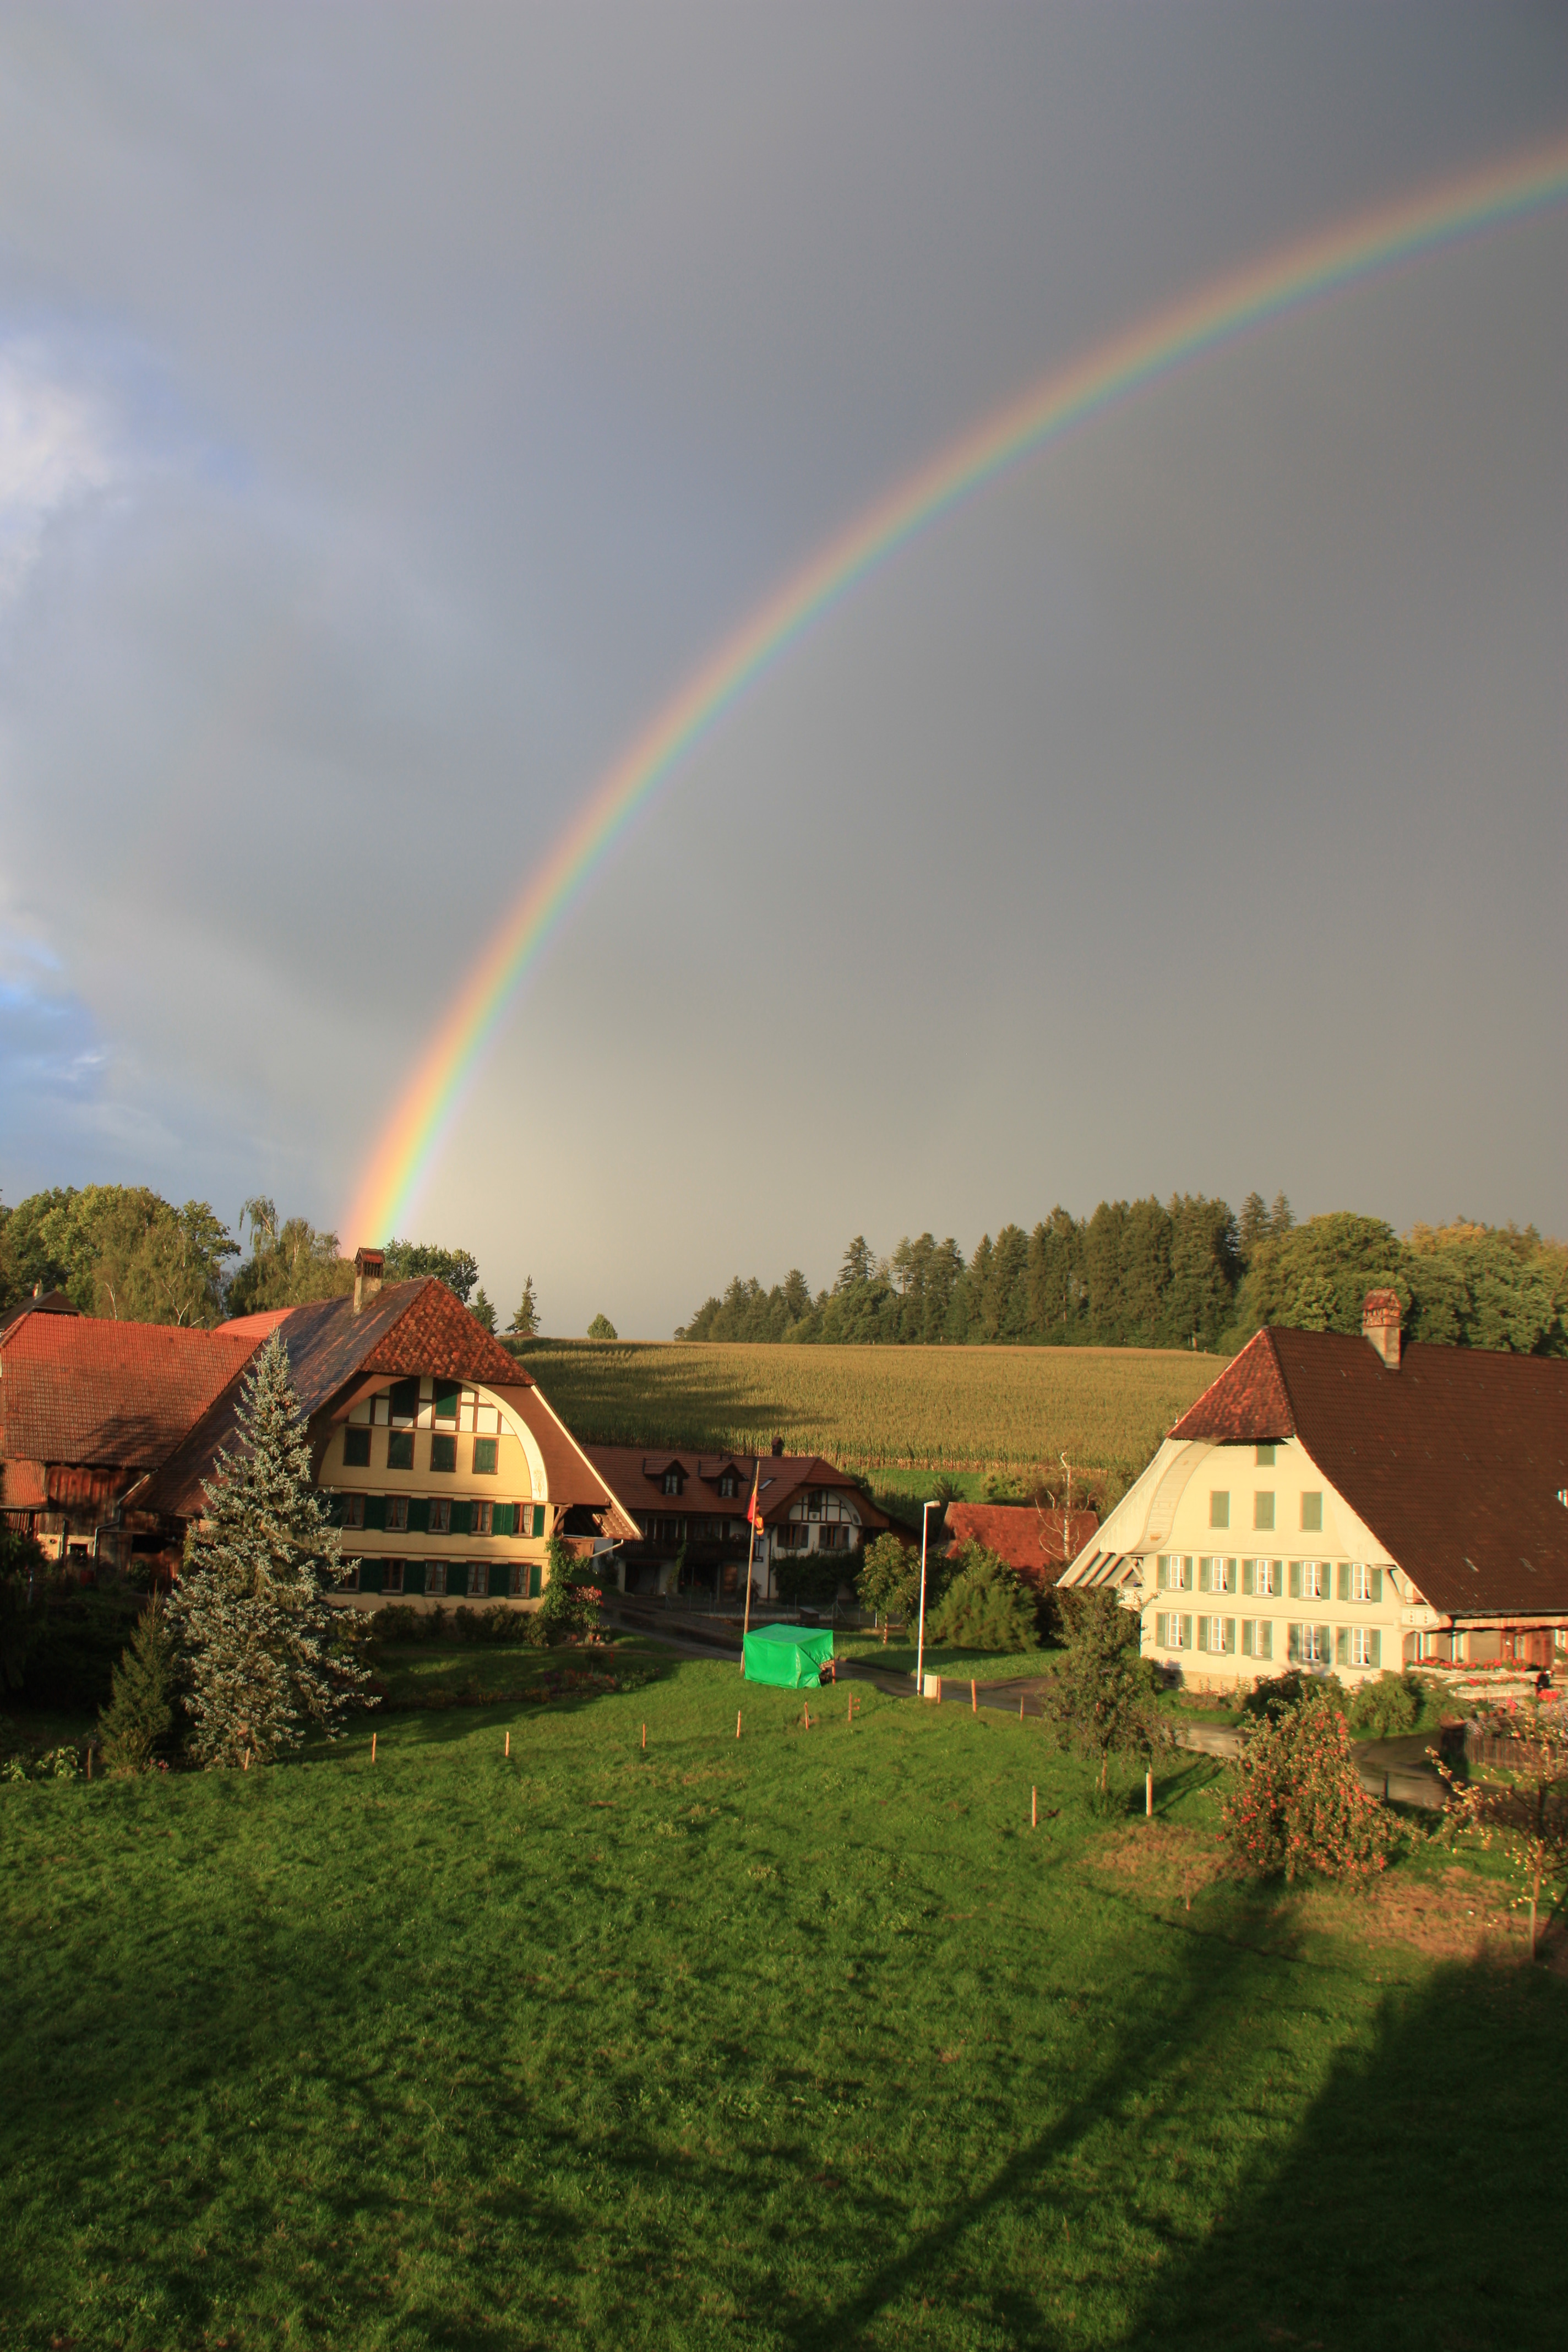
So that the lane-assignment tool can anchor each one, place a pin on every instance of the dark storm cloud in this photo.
(400, 402)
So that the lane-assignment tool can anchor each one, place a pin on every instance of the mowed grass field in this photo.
(879, 1408)
(799, 2040)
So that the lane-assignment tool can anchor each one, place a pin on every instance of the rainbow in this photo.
(408, 1145)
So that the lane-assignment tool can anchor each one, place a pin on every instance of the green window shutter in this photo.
(1230, 1637)
(505, 1521)
(1293, 1645)
(414, 1576)
(1249, 1576)
(375, 1513)
(445, 1394)
(418, 1515)
(1344, 1579)
(1265, 1637)
(1375, 1646)
(1377, 1584)
(462, 1519)
(1247, 1637)
(1186, 1633)
(1342, 1647)
(1203, 1573)
(370, 1575)
(1295, 1580)
(1202, 1633)
(1162, 1572)
(538, 1522)
(535, 1580)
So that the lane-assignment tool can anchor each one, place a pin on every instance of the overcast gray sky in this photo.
(396, 404)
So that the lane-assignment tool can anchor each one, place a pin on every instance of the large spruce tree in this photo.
(262, 1660)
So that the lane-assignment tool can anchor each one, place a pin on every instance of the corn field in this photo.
(878, 1409)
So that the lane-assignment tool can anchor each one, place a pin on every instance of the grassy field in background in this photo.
(801, 2040)
(878, 1408)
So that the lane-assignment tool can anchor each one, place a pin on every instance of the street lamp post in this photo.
(921, 1645)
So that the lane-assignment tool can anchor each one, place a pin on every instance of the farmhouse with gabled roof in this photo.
(1354, 1504)
(698, 1504)
(449, 1472)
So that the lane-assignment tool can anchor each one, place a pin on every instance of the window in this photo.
(517, 1579)
(478, 1580)
(443, 1452)
(436, 1577)
(1219, 1510)
(1309, 1645)
(1176, 1572)
(729, 1486)
(1173, 1633)
(1263, 1457)
(350, 1582)
(1263, 1509)
(396, 1515)
(1361, 1582)
(445, 1407)
(440, 1515)
(1257, 1638)
(672, 1482)
(405, 1403)
(484, 1451)
(1311, 1515)
(356, 1449)
(1259, 1576)
(1314, 1580)
(1362, 1644)
(1211, 1635)
(392, 1576)
(794, 1536)
(834, 1539)
(352, 1508)
(400, 1450)
(484, 1519)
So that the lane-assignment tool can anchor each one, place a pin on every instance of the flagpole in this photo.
(751, 1556)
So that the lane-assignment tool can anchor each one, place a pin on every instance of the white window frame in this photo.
(1360, 1579)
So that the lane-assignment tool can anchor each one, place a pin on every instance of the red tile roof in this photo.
(1029, 1540)
(78, 1389)
(408, 1328)
(1455, 1461)
(634, 1473)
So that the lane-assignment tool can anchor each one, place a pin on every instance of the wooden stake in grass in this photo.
(508, 1743)
(372, 1748)
(973, 1697)
(1033, 1809)
(1020, 1706)
(1149, 1794)
(737, 1723)
(644, 1738)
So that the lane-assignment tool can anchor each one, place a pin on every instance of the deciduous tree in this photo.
(1100, 1700)
(1296, 1804)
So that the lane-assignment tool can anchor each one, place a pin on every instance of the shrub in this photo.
(986, 1607)
(571, 1604)
(1387, 1706)
(1296, 1803)
(815, 1576)
(395, 1623)
(1101, 1698)
(1275, 1694)
(137, 1725)
(24, 1576)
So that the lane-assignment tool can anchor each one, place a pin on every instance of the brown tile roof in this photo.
(1455, 1461)
(634, 1472)
(1029, 1540)
(410, 1329)
(81, 1390)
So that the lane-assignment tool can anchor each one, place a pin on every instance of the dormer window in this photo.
(729, 1487)
(672, 1482)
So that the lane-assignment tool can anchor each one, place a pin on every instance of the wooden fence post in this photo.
(1033, 1809)
(973, 1696)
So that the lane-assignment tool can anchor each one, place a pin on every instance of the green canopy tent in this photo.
(792, 1656)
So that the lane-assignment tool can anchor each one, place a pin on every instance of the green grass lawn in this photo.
(983, 1665)
(803, 2040)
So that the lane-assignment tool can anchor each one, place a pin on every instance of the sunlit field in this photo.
(802, 2039)
(880, 1408)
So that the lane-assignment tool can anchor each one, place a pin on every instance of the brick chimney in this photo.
(1380, 1324)
(368, 1264)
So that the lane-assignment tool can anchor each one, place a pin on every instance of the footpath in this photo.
(1395, 1770)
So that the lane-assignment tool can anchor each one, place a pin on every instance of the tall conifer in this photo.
(249, 1604)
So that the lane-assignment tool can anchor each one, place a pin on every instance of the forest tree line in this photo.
(1187, 1272)
(123, 1251)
